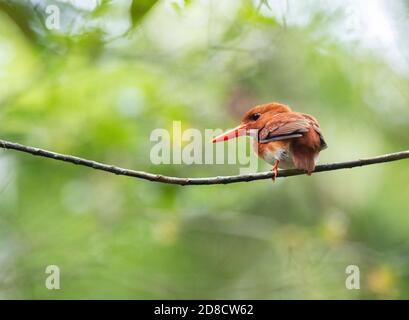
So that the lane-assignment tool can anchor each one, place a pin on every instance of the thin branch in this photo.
(199, 181)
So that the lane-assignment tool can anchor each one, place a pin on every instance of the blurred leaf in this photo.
(23, 15)
(139, 8)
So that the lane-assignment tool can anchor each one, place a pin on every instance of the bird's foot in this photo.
(275, 171)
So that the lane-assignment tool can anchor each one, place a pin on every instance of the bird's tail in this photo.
(304, 162)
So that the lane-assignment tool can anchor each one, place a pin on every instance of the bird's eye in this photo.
(255, 116)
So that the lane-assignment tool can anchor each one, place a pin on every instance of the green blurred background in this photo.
(116, 70)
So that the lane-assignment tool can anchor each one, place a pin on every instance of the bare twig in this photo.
(198, 181)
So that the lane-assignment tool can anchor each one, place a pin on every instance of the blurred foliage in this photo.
(116, 70)
(139, 9)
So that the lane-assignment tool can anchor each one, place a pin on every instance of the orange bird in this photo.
(283, 138)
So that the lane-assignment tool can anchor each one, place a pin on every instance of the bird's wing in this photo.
(288, 125)
(284, 126)
(316, 126)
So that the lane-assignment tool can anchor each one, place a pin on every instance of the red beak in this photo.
(240, 130)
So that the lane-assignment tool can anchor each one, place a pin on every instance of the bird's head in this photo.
(254, 119)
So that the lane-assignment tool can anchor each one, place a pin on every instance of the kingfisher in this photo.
(281, 137)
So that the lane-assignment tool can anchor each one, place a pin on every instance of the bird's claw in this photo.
(275, 174)
(275, 170)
